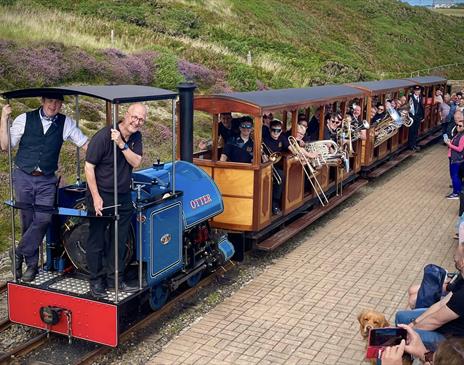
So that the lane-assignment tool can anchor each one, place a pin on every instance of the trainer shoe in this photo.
(452, 196)
(30, 273)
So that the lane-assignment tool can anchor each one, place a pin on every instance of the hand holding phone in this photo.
(379, 338)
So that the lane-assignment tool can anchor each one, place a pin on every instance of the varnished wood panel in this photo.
(383, 149)
(208, 170)
(394, 142)
(263, 205)
(294, 185)
(237, 211)
(234, 182)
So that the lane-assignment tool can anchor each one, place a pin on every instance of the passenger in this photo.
(39, 135)
(277, 143)
(444, 110)
(379, 115)
(300, 134)
(444, 318)
(313, 126)
(240, 148)
(302, 121)
(332, 124)
(449, 352)
(356, 121)
(416, 111)
(265, 132)
(225, 126)
(99, 171)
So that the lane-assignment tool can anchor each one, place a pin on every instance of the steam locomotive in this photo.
(171, 241)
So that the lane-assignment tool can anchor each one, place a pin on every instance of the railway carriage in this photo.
(247, 187)
(171, 241)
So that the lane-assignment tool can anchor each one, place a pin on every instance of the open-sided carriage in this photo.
(247, 187)
(171, 241)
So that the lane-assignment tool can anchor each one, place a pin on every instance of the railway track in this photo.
(2, 288)
(89, 358)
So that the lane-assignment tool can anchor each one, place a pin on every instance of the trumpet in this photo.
(308, 170)
(274, 157)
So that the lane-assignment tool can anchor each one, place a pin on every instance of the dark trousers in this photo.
(444, 128)
(100, 252)
(455, 177)
(413, 132)
(277, 189)
(33, 193)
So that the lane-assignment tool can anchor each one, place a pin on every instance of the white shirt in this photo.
(70, 131)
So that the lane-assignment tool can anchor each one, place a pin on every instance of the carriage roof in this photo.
(116, 94)
(258, 102)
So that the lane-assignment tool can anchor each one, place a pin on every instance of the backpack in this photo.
(431, 287)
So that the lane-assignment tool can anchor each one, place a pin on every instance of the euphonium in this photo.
(356, 131)
(329, 153)
(387, 127)
(406, 119)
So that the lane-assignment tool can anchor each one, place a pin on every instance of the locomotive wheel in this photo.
(74, 234)
(158, 297)
(193, 280)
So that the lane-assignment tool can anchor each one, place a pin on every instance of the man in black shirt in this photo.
(240, 148)
(276, 142)
(444, 318)
(379, 115)
(99, 171)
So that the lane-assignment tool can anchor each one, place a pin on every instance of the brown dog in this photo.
(369, 319)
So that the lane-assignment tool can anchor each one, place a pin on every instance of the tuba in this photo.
(308, 169)
(274, 157)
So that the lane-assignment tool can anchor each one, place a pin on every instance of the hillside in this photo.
(292, 43)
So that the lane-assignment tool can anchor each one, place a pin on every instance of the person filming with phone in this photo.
(449, 352)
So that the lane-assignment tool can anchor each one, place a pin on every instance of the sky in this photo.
(429, 2)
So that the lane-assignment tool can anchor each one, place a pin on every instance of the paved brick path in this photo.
(303, 309)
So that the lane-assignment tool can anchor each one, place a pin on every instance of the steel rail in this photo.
(23, 349)
(91, 357)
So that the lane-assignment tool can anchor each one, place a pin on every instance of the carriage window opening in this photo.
(203, 135)
(236, 131)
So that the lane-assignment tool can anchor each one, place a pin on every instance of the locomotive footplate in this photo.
(59, 302)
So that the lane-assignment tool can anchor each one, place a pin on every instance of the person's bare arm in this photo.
(6, 112)
(92, 186)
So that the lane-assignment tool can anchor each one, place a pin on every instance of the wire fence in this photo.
(427, 71)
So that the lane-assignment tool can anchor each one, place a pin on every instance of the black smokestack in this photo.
(186, 120)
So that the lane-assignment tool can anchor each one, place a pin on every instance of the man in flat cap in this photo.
(416, 110)
(39, 135)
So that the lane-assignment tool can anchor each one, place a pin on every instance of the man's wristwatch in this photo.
(126, 147)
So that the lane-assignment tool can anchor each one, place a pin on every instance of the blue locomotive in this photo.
(171, 242)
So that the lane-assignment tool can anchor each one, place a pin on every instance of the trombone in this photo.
(274, 157)
(308, 170)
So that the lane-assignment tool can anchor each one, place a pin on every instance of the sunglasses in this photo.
(381, 109)
(276, 130)
(459, 125)
(246, 126)
(336, 121)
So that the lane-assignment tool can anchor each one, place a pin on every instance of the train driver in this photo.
(99, 172)
(39, 135)
(240, 148)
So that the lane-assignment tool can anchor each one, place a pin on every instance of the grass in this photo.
(451, 12)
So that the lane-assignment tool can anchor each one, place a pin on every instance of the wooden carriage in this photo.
(382, 90)
(247, 188)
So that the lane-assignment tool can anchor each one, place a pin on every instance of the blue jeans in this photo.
(455, 178)
(431, 339)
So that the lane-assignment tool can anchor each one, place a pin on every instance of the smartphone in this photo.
(380, 338)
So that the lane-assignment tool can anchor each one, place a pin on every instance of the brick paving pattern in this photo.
(303, 309)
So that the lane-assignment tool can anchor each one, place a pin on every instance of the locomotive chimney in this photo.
(186, 120)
